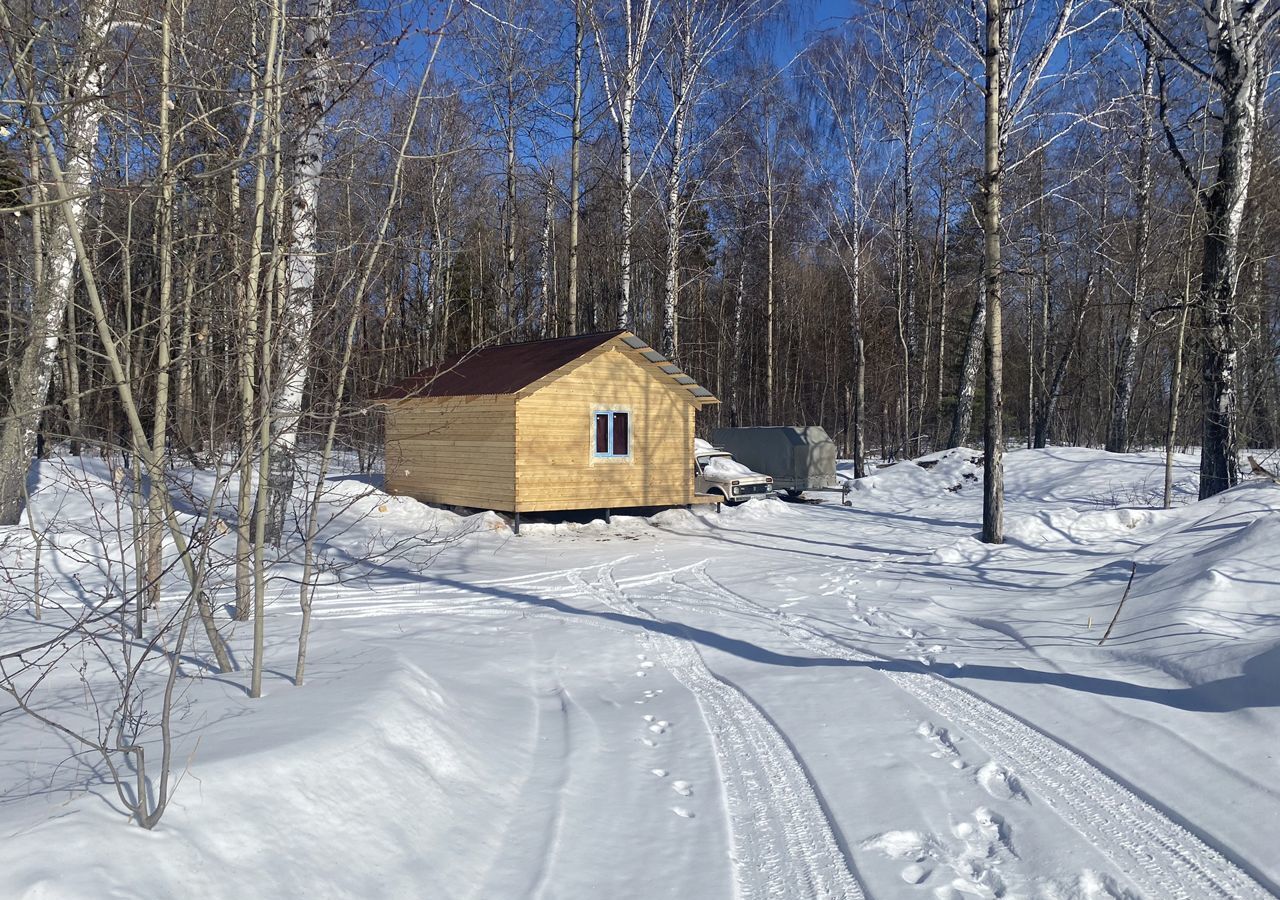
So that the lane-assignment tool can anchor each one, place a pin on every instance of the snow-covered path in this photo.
(779, 701)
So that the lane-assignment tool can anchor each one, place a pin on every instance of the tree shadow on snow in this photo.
(1257, 687)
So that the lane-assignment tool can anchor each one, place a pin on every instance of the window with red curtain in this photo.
(602, 434)
(612, 434)
(620, 434)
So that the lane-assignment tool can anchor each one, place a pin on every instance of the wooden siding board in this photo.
(457, 451)
(555, 464)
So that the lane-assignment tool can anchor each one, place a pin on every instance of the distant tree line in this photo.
(795, 212)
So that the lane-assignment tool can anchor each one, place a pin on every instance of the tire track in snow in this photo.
(1161, 858)
(782, 842)
(533, 832)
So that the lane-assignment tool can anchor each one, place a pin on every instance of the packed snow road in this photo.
(785, 701)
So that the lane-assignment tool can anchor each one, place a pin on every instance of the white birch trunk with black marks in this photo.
(34, 374)
(1235, 67)
(300, 267)
(993, 432)
(970, 361)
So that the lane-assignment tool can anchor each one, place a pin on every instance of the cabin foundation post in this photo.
(515, 522)
(608, 516)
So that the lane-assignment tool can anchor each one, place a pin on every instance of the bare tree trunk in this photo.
(157, 488)
(66, 201)
(735, 380)
(1127, 360)
(300, 278)
(272, 135)
(911, 336)
(509, 209)
(252, 363)
(546, 320)
(971, 359)
(682, 87)
(621, 84)
(1053, 390)
(575, 173)
(1175, 396)
(1237, 35)
(769, 345)
(1219, 467)
(31, 380)
(71, 353)
(944, 216)
(993, 433)
(858, 348)
(184, 402)
(628, 194)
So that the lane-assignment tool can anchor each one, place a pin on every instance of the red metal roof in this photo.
(504, 369)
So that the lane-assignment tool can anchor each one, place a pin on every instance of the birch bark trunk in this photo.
(1236, 65)
(970, 360)
(680, 101)
(34, 373)
(575, 173)
(993, 437)
(300, 273)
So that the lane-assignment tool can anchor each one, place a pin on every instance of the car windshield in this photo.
(723, 464)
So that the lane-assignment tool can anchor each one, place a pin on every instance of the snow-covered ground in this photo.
(779, 700)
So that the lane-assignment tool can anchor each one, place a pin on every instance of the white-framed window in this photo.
(611, 434)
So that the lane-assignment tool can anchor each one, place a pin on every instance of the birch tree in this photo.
(1231, 62)
(837, 68)
(293, 341)
(625, 65)
(700, 32)
(993, 346)
(75, 88)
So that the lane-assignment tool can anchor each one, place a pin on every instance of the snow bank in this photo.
(381, 783)
(759, 509)
(1059, 527)
(931, 476)
(1229, 587)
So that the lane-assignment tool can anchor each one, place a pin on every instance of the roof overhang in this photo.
(696, 392)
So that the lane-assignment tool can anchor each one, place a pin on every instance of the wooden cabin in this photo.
(595, 421)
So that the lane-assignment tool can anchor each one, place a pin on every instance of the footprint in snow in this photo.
(683, 788)
(661, 773)
(939, 737)
(1000, 783)
(975, 856)
(986, 825)
(915, 873)
(682, 812)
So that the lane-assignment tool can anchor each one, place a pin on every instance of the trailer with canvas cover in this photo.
(798, 458)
